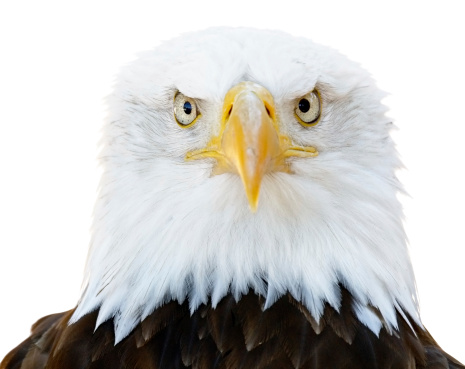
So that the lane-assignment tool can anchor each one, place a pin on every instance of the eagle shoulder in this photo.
(234, 334)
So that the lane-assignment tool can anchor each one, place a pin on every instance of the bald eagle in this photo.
(247, 218)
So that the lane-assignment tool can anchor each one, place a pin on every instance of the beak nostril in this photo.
(268, 111)
(229, 111)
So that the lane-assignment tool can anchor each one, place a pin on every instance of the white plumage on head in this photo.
(170, 229)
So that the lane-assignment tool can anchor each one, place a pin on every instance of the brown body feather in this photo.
(233, 335)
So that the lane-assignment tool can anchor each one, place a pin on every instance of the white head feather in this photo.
(168, 229)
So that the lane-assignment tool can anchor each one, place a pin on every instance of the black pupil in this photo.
(187, 107)
(304, 105)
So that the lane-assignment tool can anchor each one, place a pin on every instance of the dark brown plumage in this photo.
(233, 335)
(262, 108)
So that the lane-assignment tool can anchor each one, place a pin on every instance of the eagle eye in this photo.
(185, 110)
(308, 109)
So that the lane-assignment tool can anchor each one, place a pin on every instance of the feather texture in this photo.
(181, 274)
(233, 335)
(167, 229)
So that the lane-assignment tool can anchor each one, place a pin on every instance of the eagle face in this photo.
(237, 160)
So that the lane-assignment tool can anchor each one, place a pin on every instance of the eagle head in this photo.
(237, 160)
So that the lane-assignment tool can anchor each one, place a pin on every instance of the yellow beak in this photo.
(250, 140)
(250, 143)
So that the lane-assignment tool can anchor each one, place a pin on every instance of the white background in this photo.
(58, 60)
